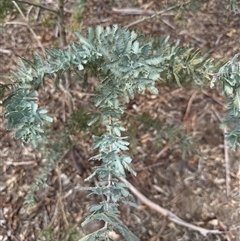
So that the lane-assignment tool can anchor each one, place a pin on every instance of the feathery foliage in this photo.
(125, 64)
(228, 78)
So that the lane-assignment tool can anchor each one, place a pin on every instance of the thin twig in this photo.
(132, 11)
(198, 39)
(189, 105)
(63, 210)
(60, 197)
(226, 155)
(158, 235)
(62, 32)
(159, 13)
(168, 23)
(63, 43)
(14, 22)
(213, 98)
(31, 30)
(166, 213)
(38, 5)
(164, 149)
(5, 51)
(20, 163)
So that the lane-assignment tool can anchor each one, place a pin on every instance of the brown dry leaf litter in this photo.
(193, 188)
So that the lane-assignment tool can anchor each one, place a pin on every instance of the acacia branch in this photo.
(168, 214)
(38, 5)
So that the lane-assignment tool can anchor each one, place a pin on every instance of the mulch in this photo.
(193, 186)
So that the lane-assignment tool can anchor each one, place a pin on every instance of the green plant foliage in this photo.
(228, 78)
(171, 134)
(125, 64)
(5, 7)
(185, 65)
(72, 234)
(52, 147)
(46, 234)
(24, 115)
(77, 14)
(233, 6)
(69, 234)
(80, 120)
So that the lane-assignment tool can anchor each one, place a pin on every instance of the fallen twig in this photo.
(158, 235)
(159, 13)
(31, 30)
(132, 11)
(38, 5)
(213, 98)
(5, 51)
(164, 149)
(166, 213)
(9, 163)
(226, 155)
(189, 105)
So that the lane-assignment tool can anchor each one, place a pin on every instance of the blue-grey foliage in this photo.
(125, 63)
(228, 78)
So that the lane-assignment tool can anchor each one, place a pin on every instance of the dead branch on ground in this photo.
(168, 214)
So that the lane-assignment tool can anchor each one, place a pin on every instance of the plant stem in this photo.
(38, 5)
(109, 176)
(63, 41)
